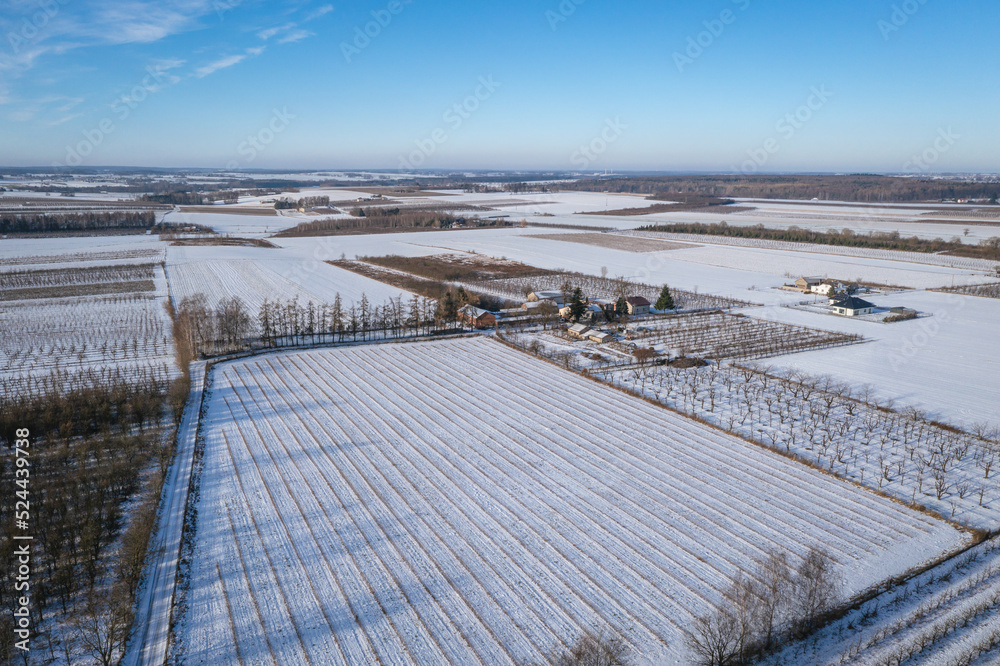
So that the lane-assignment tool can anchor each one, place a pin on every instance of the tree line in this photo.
(230, 326)
(87, 221)
(856, 187)
(305, 202)
(375, 220)
(765, 607)
(987, 249)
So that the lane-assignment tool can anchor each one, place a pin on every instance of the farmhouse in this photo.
(808, 284)
(637, 305)
(825, 289)
(579, 331)
(851, 307)
(477, 317)
(555, 297)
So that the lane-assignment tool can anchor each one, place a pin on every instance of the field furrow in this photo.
(459, 502)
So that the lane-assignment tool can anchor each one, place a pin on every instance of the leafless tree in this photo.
(103, 625)
(816, 588)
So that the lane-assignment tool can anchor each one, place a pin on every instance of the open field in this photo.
(256, 274)
(348, 514)
(616, 242)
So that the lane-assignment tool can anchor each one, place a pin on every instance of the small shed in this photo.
(579, 330)
(600, 337)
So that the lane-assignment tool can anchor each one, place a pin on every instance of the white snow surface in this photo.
(127, 332)
(256, 274)
(945, 364)
(477, 505)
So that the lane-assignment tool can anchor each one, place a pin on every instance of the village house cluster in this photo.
(542, 304)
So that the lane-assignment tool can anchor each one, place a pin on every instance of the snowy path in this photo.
(155, 603)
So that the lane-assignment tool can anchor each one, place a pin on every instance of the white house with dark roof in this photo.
(851, 306)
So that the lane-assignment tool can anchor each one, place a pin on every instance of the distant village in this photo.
(590, 313)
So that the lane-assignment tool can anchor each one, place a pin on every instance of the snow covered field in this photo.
(247, 226)
(256, 274)
(945, 365)
(948, 616)
(350, 515)
(128, 333)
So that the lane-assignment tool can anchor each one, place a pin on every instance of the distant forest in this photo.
(854, 188)
(384, 220)
(93, 221)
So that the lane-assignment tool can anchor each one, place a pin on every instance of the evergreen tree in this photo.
(576, 305)
(666, 300)
(621, 307)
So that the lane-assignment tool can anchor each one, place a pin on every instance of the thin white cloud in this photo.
(228, 61)
(70, 104)
(296, 36)
(271, 32)
(166, 64)
(64, 119)
(72, 25)
(22, 115)
(222, 63)
(322, 11)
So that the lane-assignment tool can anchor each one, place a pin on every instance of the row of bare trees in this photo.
(719, 335)
(230, 326)
(764, 607)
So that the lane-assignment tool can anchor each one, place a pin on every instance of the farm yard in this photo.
(349, 514)
(601, 287)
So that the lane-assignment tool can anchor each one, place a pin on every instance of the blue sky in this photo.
(722, 85)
